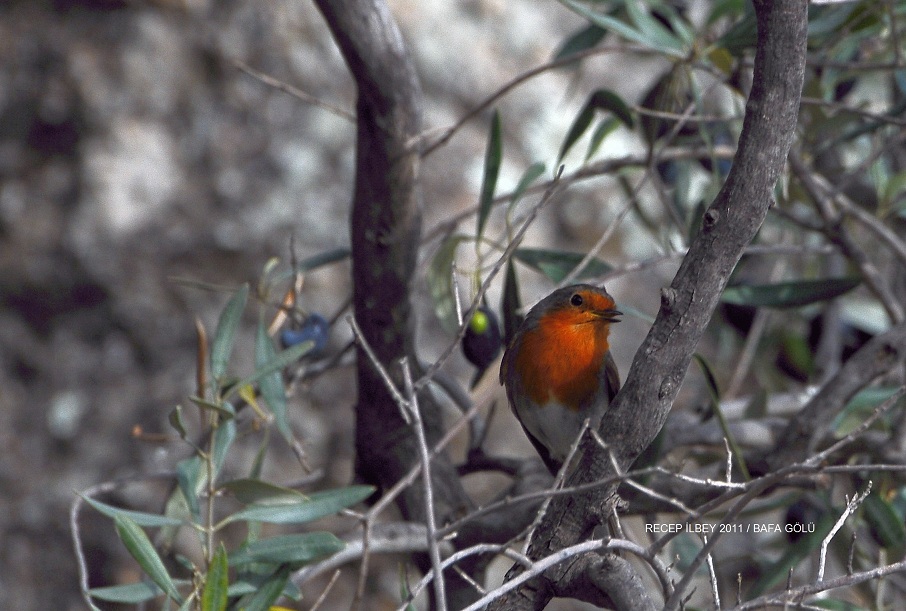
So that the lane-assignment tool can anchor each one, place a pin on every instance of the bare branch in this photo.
(796, 595)
(712, 577)
(840, 236)
(297, 93)
(805, 431)
(440, 596)
(851, 506)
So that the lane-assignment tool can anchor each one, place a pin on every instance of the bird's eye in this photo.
(576, 299)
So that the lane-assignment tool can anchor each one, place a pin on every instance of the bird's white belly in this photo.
(557, 427)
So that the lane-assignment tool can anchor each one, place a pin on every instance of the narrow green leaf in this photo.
(177, 422)
(605, 99)
(267, 593)
(580, 124)
(741, 37)
(321, 259)
(710, 378)
(405, 593)
(324, 258)
(292, 549)
(826, 21)
(510, 303)
(601, 99)
(618, 27)
(492, 160)
(556, 264)
(886, 525)
(658, 36)
(151, 520)
(789, 294)
(250, 491)
(188, 478)
(223, 439)
(530, 175)
(271, 385)
(130, 594)
(141, 548)
(731, 9)
(214, 596)
(835, 604)
(317, 506)
(440, 282)
(221, 408)
(714, 391)
(859, 408)
(249, 583)
(678, 26)
(176, 508)
(225, 335)
(586, 38)
(893, 189)
(257, 464)
(282, 359)
(604, 129)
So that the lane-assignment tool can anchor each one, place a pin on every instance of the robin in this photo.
(558, 369)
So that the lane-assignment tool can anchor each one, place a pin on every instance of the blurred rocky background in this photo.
(139, 161)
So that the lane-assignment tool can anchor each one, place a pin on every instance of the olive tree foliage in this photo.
(784, 208)
(815, 177)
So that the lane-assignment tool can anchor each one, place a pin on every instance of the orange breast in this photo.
(560, 360)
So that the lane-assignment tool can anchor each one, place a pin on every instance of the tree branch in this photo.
(804, 432)
(385, 233)
(660, 364)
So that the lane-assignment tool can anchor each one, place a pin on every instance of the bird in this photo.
(558, 370)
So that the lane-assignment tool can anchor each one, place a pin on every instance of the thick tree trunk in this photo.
(385, 231)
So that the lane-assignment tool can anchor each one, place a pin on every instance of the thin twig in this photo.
(712, 577)
(404, 482)
(837, 233)
(515, 82)
(379, 367)
(558, 482)
(851, 506)
(276, 83)
(662, 497)
(440, 596)
(753, 338)
(879, 411)
(852, 553)
(895, 39)
(481, 548)
(589, 171)
(605, 237)
(363, 571)
(843, 107)
(326, 591)
(567, 553)
(887, 235)
(76, 508)
(729, 464)
(783, 599)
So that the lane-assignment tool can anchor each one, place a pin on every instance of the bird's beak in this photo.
(609, 315)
